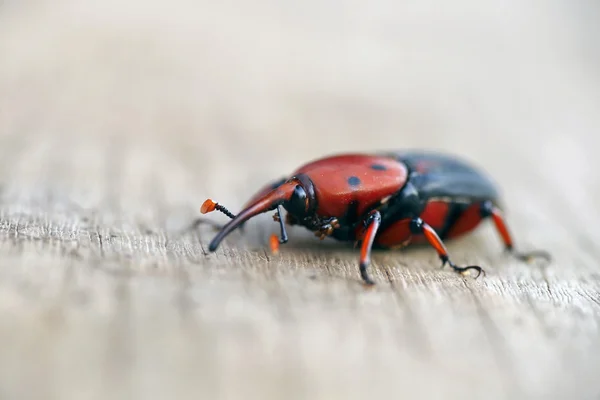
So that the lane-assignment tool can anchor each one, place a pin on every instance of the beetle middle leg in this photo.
(488, 210)
(418, 226)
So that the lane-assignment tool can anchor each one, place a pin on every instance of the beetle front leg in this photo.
(418, 226)
(372, 223)
(488, 210)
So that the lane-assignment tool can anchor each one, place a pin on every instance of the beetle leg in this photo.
(327, 228)
(372, 223)
(488, 210)
(418, 226)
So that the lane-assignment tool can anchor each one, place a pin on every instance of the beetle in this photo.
(382, 200)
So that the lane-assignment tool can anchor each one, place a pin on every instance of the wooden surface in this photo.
(118, 119)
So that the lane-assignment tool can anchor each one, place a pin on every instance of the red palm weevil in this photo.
(384, 200)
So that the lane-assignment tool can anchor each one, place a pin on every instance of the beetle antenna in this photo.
(210, 206)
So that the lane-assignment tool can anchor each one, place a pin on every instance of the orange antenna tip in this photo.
(208, 206)
(274, 242)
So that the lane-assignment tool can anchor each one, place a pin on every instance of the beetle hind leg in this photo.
(488, 210)
(418, 226)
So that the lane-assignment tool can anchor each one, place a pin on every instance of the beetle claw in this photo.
(464, 270)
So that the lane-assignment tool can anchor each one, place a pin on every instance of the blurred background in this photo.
(136, 111)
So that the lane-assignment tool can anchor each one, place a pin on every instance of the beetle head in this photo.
(296, 195)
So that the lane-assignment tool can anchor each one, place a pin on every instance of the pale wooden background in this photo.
(118, 118)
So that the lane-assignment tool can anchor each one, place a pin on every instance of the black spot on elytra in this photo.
(353, 181)
(378, 167)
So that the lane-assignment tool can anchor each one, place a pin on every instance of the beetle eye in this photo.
(297, 203)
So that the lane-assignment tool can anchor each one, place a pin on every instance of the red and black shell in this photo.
(444, 191)
(383, 199)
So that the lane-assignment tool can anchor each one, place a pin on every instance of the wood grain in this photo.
(118, 119)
